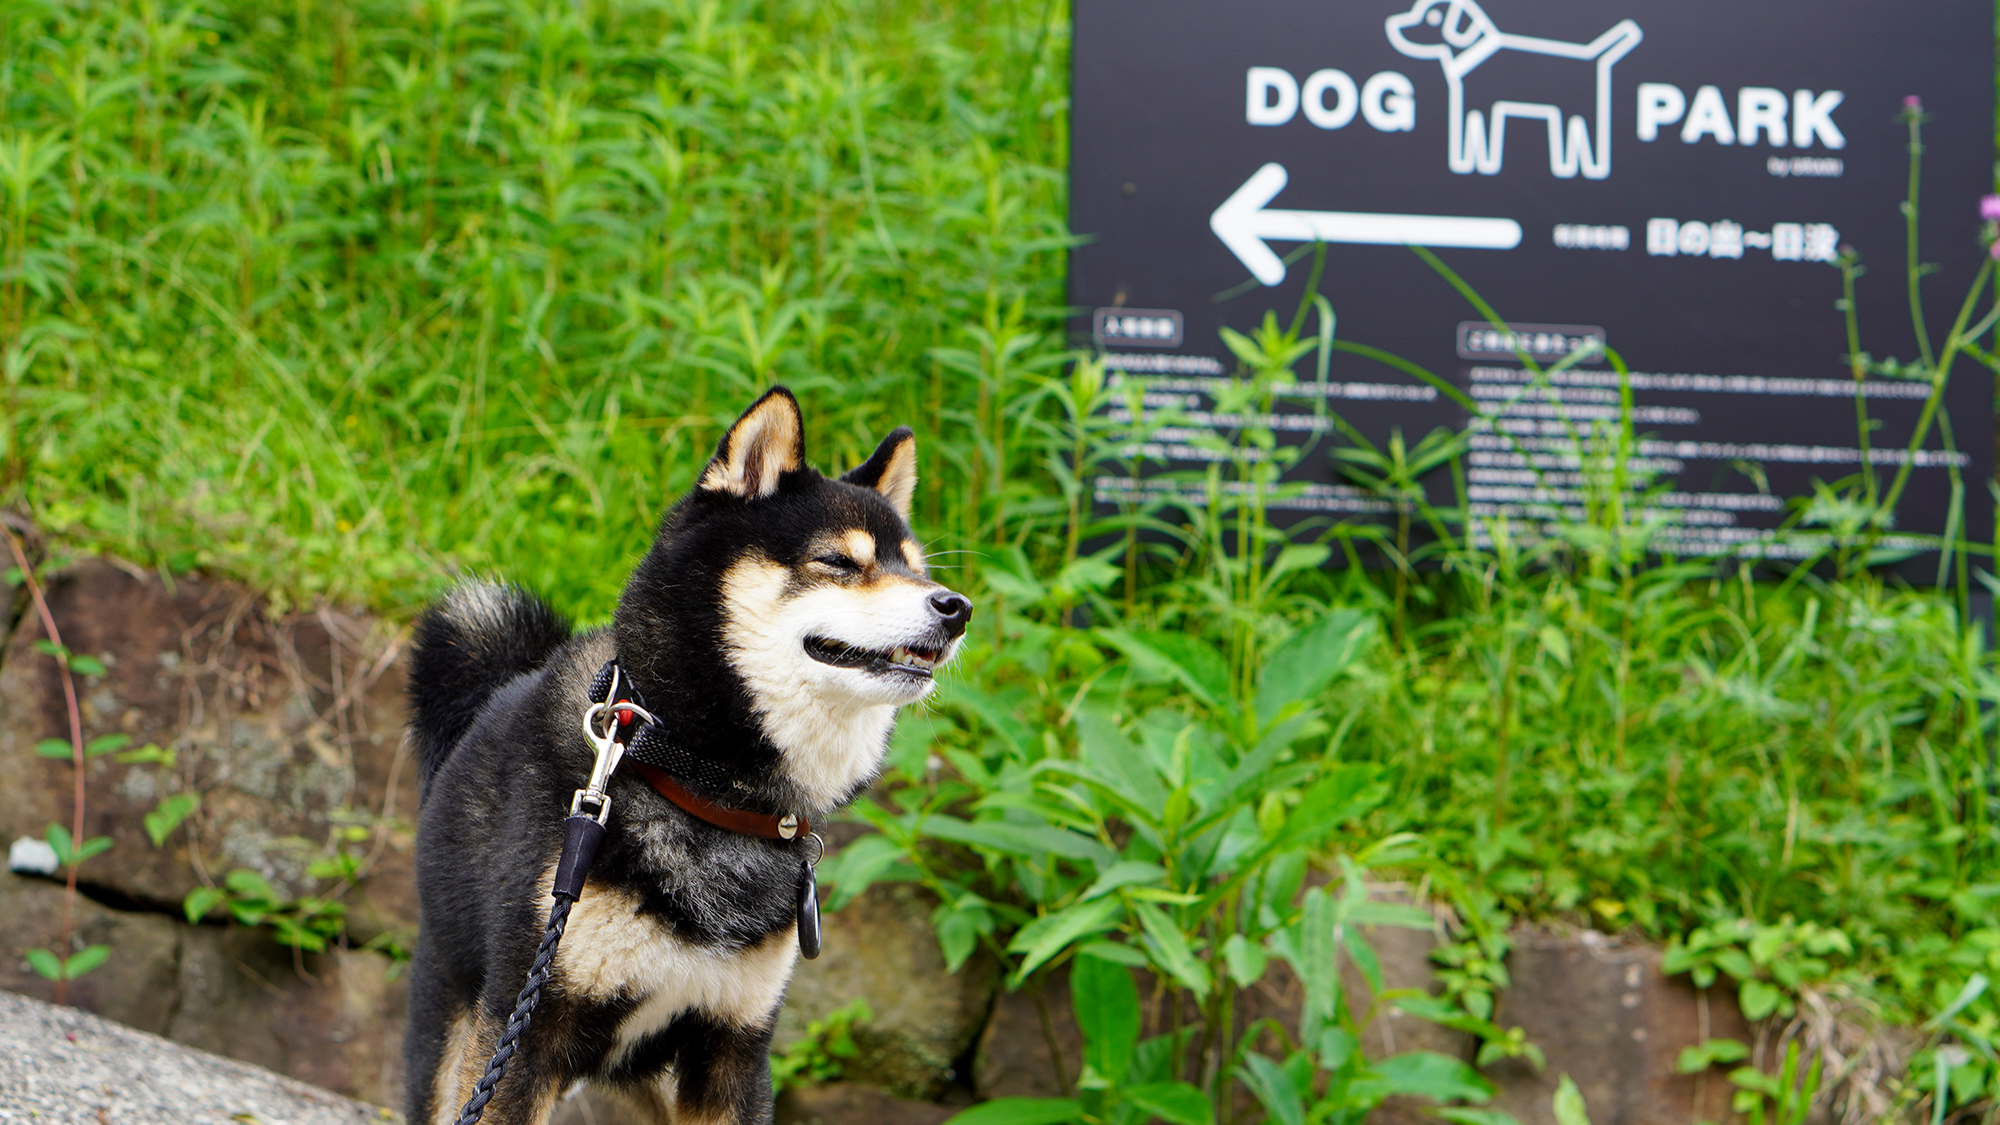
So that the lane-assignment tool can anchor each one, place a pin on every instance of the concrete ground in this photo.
(60, 1066)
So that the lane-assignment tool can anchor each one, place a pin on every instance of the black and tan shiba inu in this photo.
(776, 624)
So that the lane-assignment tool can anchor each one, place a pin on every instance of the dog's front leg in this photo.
(525, 1095)
(722, 1077)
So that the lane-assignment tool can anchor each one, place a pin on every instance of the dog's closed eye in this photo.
(839, 562)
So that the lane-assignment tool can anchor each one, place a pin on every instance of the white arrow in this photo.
(1244, 226)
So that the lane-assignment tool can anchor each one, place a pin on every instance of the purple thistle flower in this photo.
(1989, 207)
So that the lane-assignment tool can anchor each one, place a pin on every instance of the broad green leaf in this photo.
(1298, 556)
(1443, 1012)
(1161, 894)
(1975, 987)
(1082, 575)
(58, 838)
(1114, 760)
(858, 866)
(1125, 873)
(1174, 1102)
(1754, 1080)
(1245, 959)
(1336, 1046)
(1254, 775)
(1766, 944)
(1346, 792)
(1554, 642)
(1431, 1075)
(48, 647)
(1704, 1055)
(1364, 957)
(246, 883)
(1298, 668)
(1466, 1115)
(1025, 591)
(998, 708)
(106, 743)
(150, 753)
(1758, 998)
(55, 748)
(1048, 935)
(85, 665)
(1171, 947)
(1019, 1111)
(45, 963)
(1392, 914)
(96, 845)
(1283, 877)
(958, 930)
(167, 816)
(1027, 840)
(84, 960)
(1312, 953)
(1568, 1104)
(1160, 1057)
(910, 745)
(1273, 1088)
(1107, 1012)
(1243, 347)
(200, 901)
(290, 932)
(1736, 963)
(1115, 952)
(1678, 959)
(1154, 664)
(1196, 657)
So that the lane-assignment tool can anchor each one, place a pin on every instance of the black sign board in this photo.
(1674, 180)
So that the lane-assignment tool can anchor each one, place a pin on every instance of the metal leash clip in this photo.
(610, 751)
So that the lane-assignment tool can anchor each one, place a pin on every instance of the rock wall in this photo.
(290, 730)
(332, 1019)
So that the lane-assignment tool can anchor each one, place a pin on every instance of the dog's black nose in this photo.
(954, 608)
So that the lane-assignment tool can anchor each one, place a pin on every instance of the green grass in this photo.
(344, 298)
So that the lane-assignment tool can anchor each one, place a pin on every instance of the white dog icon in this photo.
(1464, 37)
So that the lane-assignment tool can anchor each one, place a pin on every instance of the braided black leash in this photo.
(581, 835)
(517, 1023)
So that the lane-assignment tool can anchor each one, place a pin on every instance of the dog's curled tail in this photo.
(474, 639)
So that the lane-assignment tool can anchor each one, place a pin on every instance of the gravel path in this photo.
(60, 1066)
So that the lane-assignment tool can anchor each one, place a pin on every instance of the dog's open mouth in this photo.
(907, 660)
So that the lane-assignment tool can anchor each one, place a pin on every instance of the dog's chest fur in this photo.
(617, 954)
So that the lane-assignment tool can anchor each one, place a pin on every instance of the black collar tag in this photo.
(808, 912)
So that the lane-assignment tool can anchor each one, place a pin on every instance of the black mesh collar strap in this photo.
(649, 745)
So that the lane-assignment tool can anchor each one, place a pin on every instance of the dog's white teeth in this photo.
(900, 655)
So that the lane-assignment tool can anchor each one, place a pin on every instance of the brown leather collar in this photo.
(741, 821)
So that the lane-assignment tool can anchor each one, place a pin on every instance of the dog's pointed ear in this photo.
(767, 441)
(891, 471)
